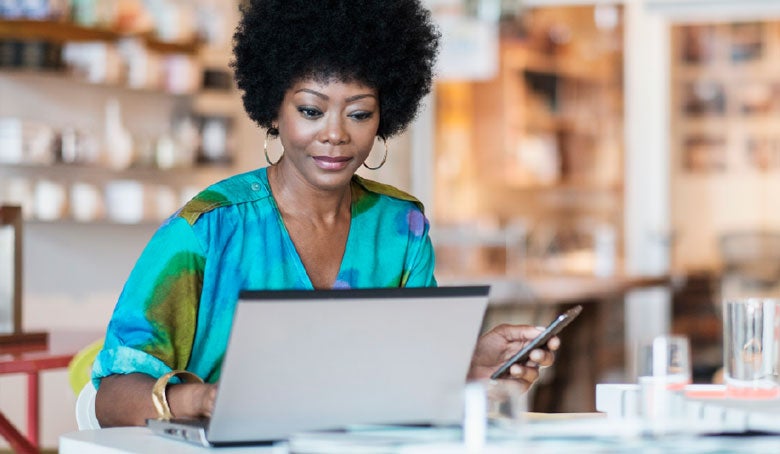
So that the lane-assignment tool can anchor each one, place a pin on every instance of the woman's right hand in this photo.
(126, 400)
(192, 400)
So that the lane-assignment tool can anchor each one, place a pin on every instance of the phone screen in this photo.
(539, 341)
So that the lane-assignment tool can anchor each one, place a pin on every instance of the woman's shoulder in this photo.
(387, 191)
(242, 188)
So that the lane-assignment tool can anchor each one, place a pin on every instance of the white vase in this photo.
(118, 141)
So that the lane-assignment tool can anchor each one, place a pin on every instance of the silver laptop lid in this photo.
(310, 360)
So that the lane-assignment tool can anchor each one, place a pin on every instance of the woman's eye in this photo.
(360, 116)
(309, 112)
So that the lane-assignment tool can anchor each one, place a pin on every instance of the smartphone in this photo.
(539, 341)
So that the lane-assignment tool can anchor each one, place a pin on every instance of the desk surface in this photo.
(141, 440)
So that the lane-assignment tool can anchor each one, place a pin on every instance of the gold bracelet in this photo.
(159, 397)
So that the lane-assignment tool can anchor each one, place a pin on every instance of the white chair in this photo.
(85, 408)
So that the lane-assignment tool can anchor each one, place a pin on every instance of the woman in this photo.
(327, 78)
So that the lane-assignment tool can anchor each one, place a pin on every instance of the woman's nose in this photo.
(334, 132)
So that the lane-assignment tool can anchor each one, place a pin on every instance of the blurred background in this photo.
(566, 145)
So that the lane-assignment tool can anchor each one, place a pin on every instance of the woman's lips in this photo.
(332, 163)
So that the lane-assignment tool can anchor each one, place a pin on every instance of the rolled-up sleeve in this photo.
(153, 325)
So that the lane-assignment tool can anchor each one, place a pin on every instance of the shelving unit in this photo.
(76, 172)
(61, 32)
(65, 78)
(567, 102)
(725, 148)
(541, 142)
(60, 100)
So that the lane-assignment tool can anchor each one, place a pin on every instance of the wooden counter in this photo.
(557, 289)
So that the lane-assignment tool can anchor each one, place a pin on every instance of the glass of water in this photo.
(493, 409)
(664, 370)
(751, 347)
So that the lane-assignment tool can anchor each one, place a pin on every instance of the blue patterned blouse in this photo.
(176, 308)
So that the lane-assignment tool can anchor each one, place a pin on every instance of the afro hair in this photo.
(389, 45)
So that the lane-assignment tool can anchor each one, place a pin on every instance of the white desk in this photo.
(140, 440)
(137, 440)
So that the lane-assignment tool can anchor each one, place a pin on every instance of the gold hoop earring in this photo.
(384, 158)
(265, 151)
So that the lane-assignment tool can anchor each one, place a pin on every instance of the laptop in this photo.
(330, 359)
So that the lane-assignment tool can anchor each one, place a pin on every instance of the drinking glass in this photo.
(751, 347)
(492, 408)
(664, 369)
(666, 357)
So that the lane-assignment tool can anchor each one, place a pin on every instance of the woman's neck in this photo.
(295, 197)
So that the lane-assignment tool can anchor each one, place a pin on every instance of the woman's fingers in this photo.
(542, 357)
(525, 373)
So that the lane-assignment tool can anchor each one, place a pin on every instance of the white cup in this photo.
(11, 141)
(751, 348)
(125, 201)
(86, 202)
(50, 200)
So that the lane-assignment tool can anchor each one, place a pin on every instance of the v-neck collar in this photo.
(290, 246)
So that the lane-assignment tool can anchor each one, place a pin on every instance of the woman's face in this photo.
(327, 130)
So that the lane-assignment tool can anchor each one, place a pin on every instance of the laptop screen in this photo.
(326, 359)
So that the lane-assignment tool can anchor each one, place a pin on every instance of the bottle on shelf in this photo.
(117, 141)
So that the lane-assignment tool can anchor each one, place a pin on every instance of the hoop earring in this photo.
(265, 151)
(384, 158)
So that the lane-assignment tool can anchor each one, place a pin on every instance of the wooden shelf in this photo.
(144, 224)
(551, 123)
(61, 32)
(582, 187)
(53, 31)
(728, 73)
(94, 173)
(63, 76)
(521, 58)
(562, 187)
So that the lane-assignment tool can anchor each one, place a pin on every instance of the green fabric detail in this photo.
(202, 203)
(362, 200)
(214, 376)
(174, 313)
(405, 277)
(386, 189)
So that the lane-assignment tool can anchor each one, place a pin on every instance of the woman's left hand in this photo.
(499, 344)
